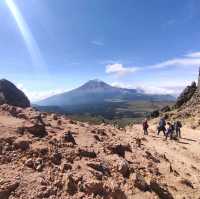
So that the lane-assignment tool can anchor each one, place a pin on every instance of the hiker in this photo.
(145, 127)
(177, 128)
(170, 131)
(161, 126)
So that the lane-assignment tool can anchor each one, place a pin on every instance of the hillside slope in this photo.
(50, 156)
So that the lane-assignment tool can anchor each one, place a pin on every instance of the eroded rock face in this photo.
(186, 95)
(10, 94)
(155, 114)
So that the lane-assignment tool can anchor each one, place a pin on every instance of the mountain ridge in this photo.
(98, 91)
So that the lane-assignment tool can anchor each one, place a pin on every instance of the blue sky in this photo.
(50, 46)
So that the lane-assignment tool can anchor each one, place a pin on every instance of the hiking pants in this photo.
(161, 129)
(178, 132)
(145, 131)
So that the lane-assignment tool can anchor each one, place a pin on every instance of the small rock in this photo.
(7, 188)
(72, 122)
(97, 138)
(68, 137)
(141, 183)
(150, 156)
(138, 142)
(86, 153)
(35, 129)
(187, 183)
(70, 184)
(101, 167)
(101, 132)
(65, 167)
(39, 168)
(38, 164)
(123, 168)
(95, 187)
(59, 122)
(160, 190)
(56, 158)
(119, 149)
(54, 116)
(22, 116)
(21, 143)
(29, 163)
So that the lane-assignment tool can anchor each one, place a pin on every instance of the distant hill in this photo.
(96, 91)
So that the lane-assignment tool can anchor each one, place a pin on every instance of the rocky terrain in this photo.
(186, 108)
(46, 155)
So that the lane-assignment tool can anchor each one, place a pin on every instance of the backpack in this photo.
(179, 124)
(162, 123)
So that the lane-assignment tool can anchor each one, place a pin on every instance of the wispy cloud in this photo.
(191, 59)
(120, 70)
(194, 55)
(180, 62)
(97, 43)
(164, 87)
(188, 60)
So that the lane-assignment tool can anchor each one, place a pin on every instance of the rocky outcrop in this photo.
(186, 95)
(10, 94)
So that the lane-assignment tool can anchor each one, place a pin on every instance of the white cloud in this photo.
(194, 55)
(164, 87)
(119, 70)
(175, 90)
(35, 96)
(97, 43)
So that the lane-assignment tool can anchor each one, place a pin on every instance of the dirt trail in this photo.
(182, 157)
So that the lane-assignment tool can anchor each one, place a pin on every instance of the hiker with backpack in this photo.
(145, 127)
(161, 126)
(170, 131)
(177, 128)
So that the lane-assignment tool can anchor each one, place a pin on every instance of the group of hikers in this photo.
(171, 130)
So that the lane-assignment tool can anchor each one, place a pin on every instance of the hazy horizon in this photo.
(48, 47)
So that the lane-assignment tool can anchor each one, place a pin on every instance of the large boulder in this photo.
(10, 94)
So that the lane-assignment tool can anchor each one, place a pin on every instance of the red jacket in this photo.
(145, 125)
